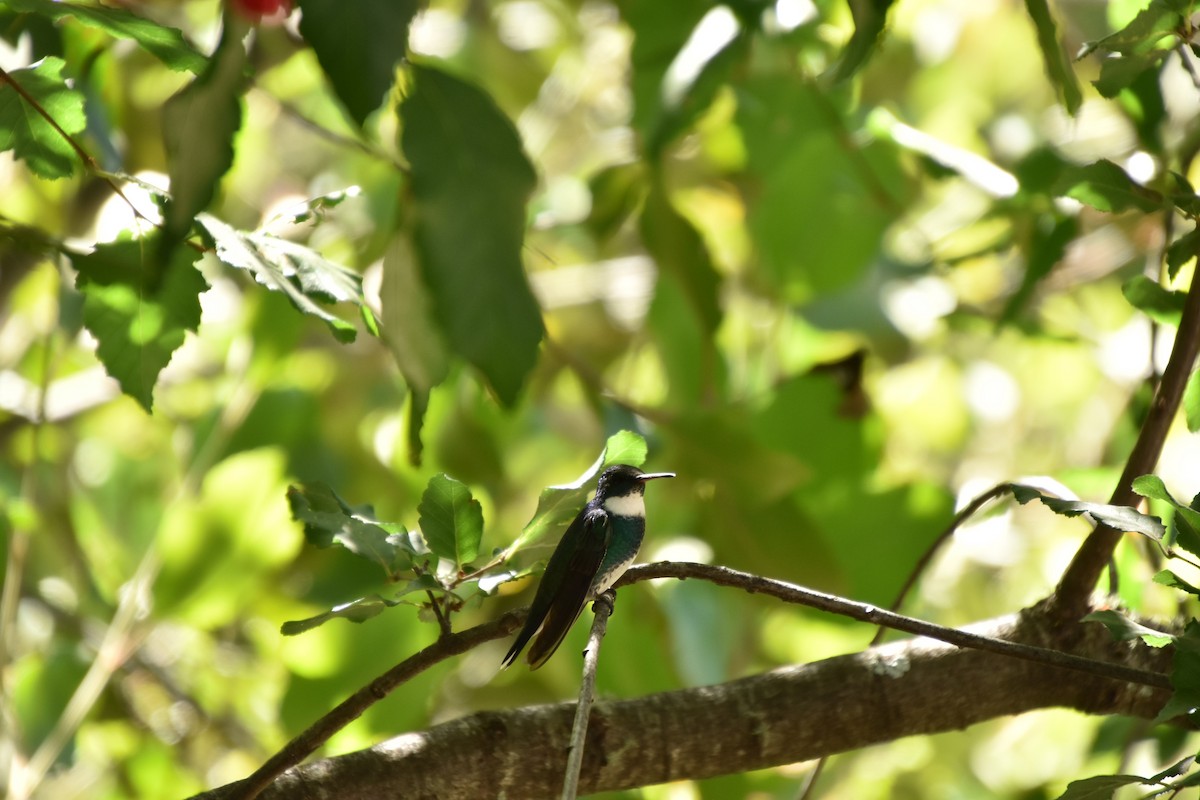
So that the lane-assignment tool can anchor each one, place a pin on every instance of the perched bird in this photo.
(597, 548)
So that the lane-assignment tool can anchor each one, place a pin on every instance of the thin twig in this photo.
(602, 608)
(864, 612)
(353, 706)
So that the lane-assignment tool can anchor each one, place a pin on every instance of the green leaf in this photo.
(1118, 73)
(360, 610)
(27, 132)
(870, 20)
(409, 329)
(681, 254)
(1153, 487)
(1168, 578)
(1155, 22)
(1191, 402)
(1182, 250)
(1101, 787)
(1121, 518)
(358, 45)
(616, 193)
(1155, 301)
(558, 505)
(166, 44)
(299, 273)
(470, 185)
(451, 519)
(1048, 242)
(329, 520)
(1106, 187)
(137, 312)
(1123, 629)
(1058, 66)
(198, 128)
(1185, 676)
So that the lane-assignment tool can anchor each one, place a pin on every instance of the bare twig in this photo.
(602, 608)
(864, 612)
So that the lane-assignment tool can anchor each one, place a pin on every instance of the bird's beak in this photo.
(649, 476)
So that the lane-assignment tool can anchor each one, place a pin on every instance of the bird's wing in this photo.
(576, 549)
(564, 601)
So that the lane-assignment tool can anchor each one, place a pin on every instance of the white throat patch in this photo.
(631, 505)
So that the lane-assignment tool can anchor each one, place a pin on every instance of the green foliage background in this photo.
(569, 219)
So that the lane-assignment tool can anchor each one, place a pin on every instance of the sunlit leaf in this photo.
(1154, 300)
(1168, 578)
(165, 43)
(1101, 787)
(299, 273)
(138, 312)
(409, 328)
(451, 519)
(1185, 676)
(1121, 518)
(32, 137)
(1106, 187)
(360, 610)
(329, 520)
(1191, 402)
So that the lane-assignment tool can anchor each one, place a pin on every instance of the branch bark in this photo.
(797, 713)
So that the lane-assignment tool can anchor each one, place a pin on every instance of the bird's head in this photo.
(623, 480)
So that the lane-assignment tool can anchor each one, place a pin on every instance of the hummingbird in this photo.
(597, 548)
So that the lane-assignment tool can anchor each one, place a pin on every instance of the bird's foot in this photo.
(606, 598)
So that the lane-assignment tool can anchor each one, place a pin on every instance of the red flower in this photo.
(255, 10)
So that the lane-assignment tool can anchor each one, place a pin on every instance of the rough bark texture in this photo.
(792, 714)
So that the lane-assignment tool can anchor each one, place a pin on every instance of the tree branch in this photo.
(1070, 598)
(780, 717)
(602, 607)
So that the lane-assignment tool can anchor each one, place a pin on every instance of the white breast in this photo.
(631, 505)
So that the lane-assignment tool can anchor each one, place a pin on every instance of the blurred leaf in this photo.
(682, 107)
(558, 505)
(24, 130)
(1168, 578)
(198, 128)
(1118, 73)
(1191, 402)
(451, 519)
(358, 45)
(409, 329)
(1185, 676)
(314, 208)
(1142, 100)
(1154, 300)
(1058, 66)
(681, 254)
(470, 185)
(616, 193)
(870, 19)
(164, 43)
(1182, 250)
(138, 316)
(298, 272)
(1101, 787)
(329, 520)
(1156, 21)
(1106, 187)
(1048, 241)
(1121, 518)
(360, 610)
(661, 30)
